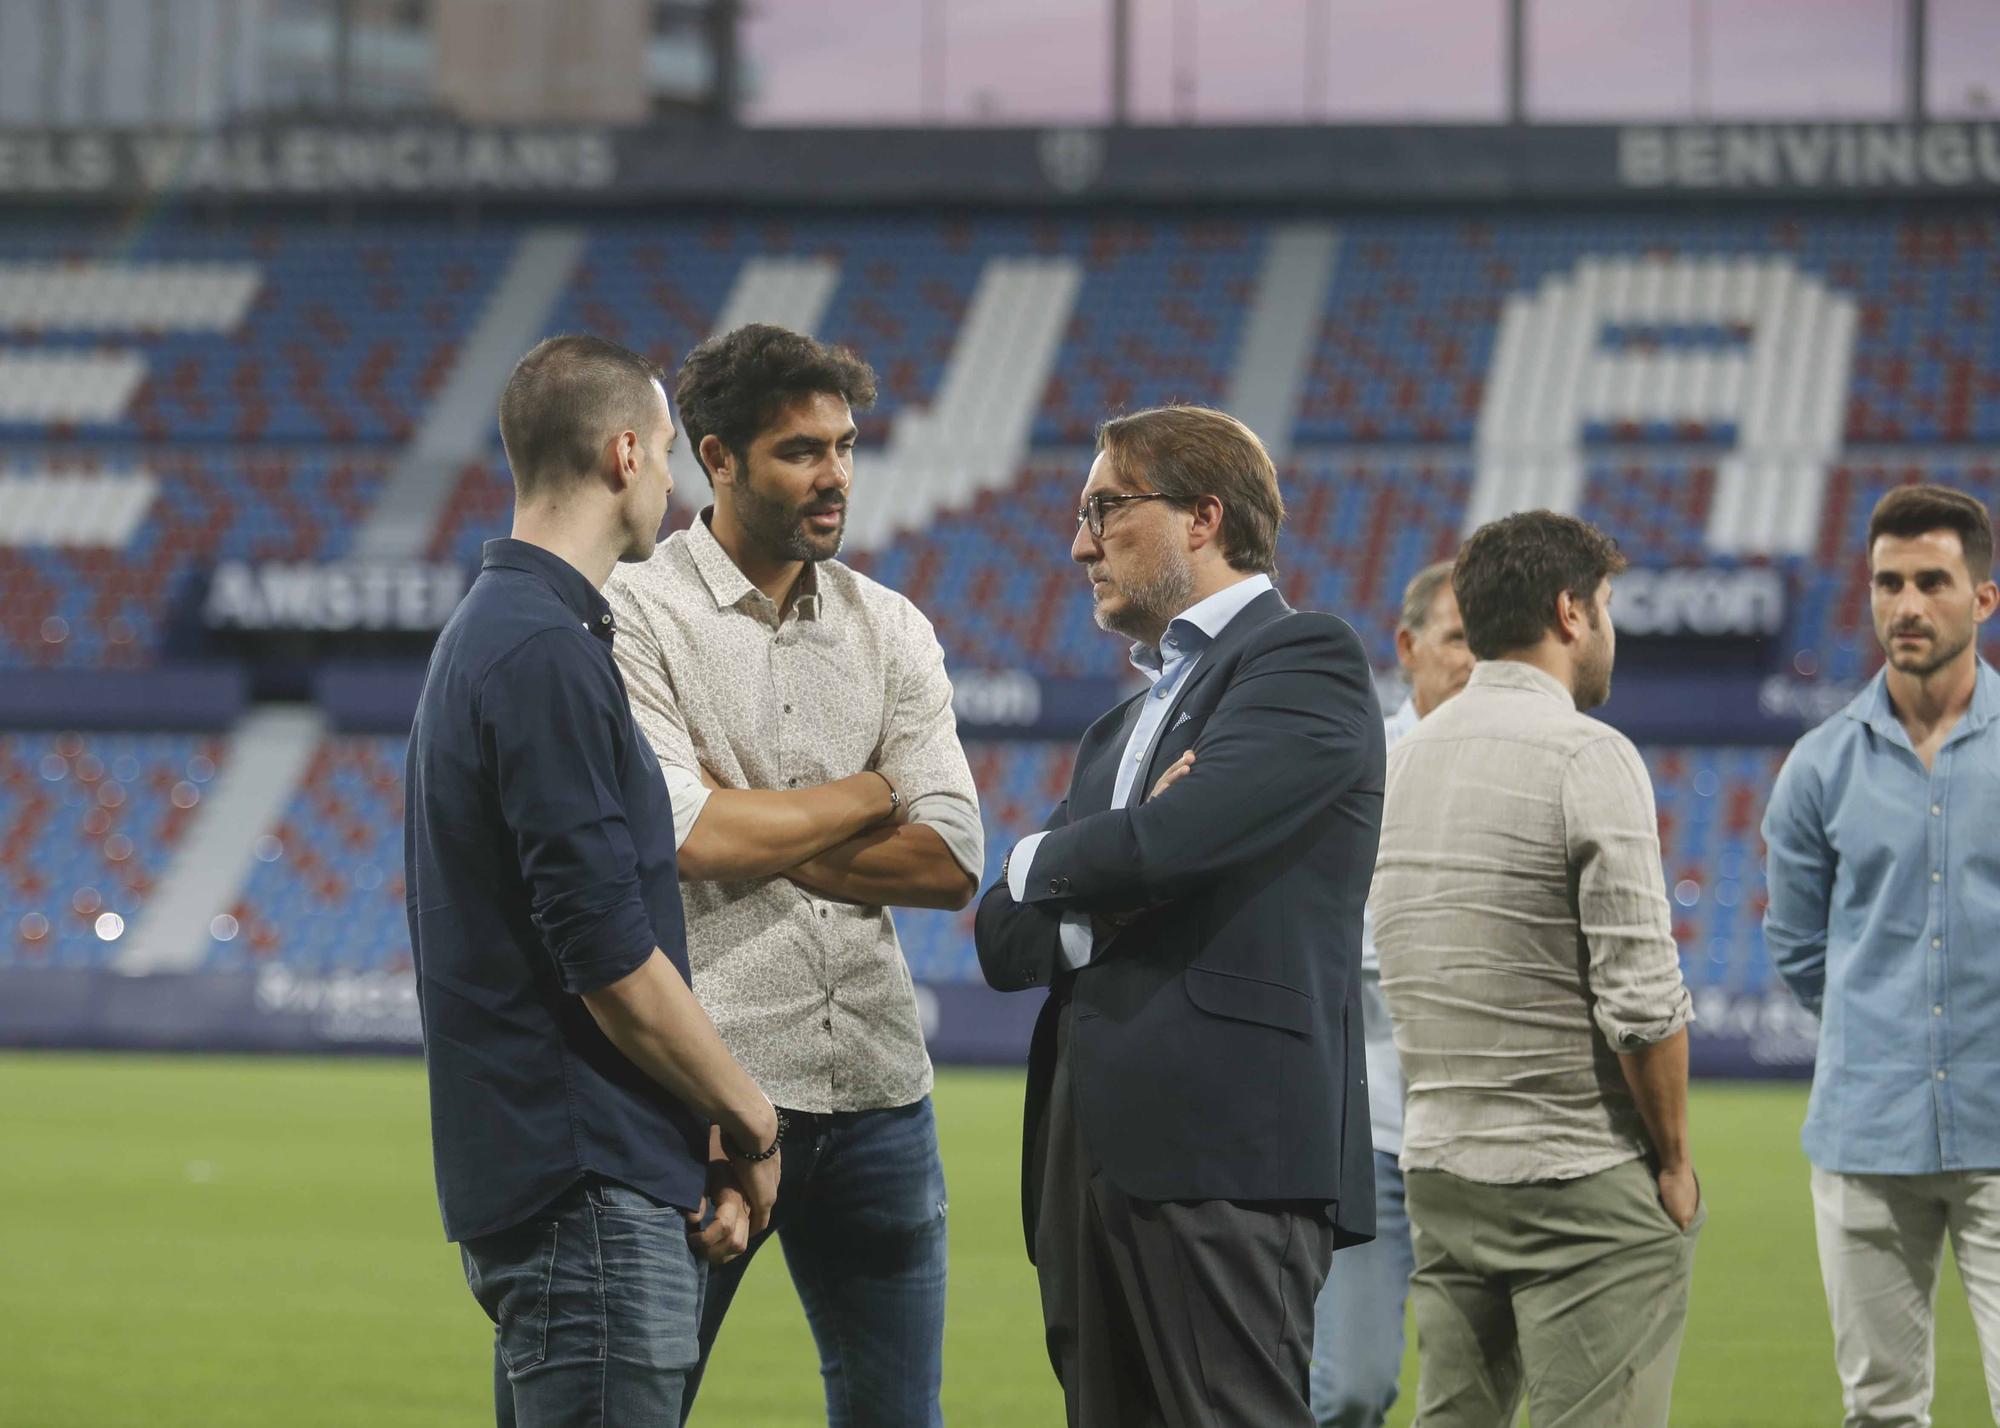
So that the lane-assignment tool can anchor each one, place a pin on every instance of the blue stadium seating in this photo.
(103, 607)
(1157, 320)
(273, 441)
(351, 333)
(327, 893)
(327, 896)
(87, 823)
(1711, 801)
(655, 287)
(1657, 510)
(1416, 303)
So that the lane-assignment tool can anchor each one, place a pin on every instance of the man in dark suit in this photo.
(1197, 1140)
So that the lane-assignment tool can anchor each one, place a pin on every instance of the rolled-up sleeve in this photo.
(552, 723)
(920, 752)
(1613, 836)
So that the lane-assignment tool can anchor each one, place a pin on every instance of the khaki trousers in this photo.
(1575, 1291)
(1881, 1242)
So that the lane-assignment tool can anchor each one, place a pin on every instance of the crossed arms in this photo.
(1297, 728)
(841, 840)
(901, 832)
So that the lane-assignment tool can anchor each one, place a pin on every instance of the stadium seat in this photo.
(326, 896)
(88, 822)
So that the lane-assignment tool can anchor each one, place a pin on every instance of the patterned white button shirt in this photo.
(811, 994)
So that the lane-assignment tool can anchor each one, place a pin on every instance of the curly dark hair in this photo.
(734, 386)
(1508, 574)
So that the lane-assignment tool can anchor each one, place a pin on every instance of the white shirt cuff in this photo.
(1079, 943)
(1018, 863)
(688, 795)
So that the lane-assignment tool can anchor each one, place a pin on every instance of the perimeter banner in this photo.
(1760, 1033)
(1080, 164)
(278, 1009)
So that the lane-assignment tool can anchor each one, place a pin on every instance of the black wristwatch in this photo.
(737, 1153)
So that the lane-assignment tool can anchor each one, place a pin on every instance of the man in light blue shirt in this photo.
(1358, 1320)
(1884, 872)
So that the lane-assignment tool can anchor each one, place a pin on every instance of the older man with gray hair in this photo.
(1358, 1332)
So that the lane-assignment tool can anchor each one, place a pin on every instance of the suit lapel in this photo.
(1220, 653)
(1092, 783)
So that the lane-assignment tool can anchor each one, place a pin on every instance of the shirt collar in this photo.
(728, 585)
(1196, 627)
(1872, 707)
(585, 600)
(1518, 674)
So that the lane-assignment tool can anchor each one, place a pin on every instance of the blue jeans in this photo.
(861, 1217)
(595, 1305)
(1358, 1321)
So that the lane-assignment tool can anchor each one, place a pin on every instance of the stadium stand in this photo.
(1658, 508)
(280, 333)
(183, 395)
(88, 823)
(1414, 314)
(326, 895)
(1711, 801)
(1157, 320)
(102, 596)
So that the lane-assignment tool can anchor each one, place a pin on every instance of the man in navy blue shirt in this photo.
(583, 1109)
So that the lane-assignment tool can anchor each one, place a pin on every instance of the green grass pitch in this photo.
(240, 1241)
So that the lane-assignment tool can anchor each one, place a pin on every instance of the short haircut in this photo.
(734, 386)
(1186, 452)
(1508, 575)
(1421, 593)
(1918, 510)
(565, 401)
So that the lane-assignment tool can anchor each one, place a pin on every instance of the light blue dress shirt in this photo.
(1166, 668)
(1884, 917)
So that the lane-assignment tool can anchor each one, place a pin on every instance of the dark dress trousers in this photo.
(1210, 1054)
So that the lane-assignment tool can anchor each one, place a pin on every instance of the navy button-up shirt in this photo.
(1885, 919)
(538, 848)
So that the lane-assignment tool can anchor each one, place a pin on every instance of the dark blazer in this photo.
(1216, 1049)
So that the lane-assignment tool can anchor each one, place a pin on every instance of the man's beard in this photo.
(778, 529)
(1593, 673)
(1151, 600)
(1942, 651)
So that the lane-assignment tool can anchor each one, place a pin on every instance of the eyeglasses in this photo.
(1091, 512)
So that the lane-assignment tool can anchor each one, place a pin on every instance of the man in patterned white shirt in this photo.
(803, 719)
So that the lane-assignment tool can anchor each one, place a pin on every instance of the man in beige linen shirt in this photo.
(803, 720)
(1529, 965)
